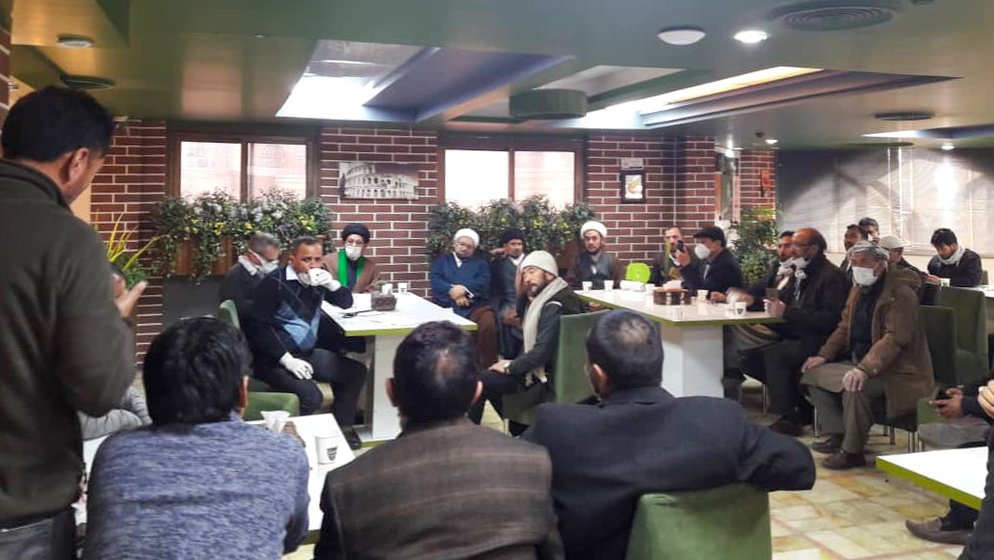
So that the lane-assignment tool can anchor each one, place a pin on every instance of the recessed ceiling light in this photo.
(771, 141)
(948, 146)
(74, 41)
(751, 36)
(681, 36)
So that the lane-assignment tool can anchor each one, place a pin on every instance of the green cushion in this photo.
(940, 331)
(228, 313)
(639, 272)
(257, 402)
(726, 522)
(970, 313)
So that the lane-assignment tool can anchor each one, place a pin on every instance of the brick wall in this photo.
(4, 73)
(752, 163)
(129, 184)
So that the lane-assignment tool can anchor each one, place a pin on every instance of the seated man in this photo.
(960, 265)
(869, 229)
(261, 258)
(640, 439)
(198, 483)
(853, 235)
(594, 264)
(716, 268)
(283, 333)
(895, 251)
(460, 280)
(878, 350)
(981, 543)
(504, 289)
(547, 298)
(348, 265)
(445, 488)
(666, 267)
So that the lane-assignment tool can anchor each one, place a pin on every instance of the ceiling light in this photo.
(74, 42)
(896, 134)
(771, 141)
(751, 36)
(948, 146)
(681, 36)
(904, 116)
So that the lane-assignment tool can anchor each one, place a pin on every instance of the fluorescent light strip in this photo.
(661, 102)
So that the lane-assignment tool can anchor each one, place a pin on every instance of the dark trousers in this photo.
(47, 539)
(495, 386)
(346, 377)
(782, 363)
(981, 543)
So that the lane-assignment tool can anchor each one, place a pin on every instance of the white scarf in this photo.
(954, 259)
(249, 265)
(529, 326)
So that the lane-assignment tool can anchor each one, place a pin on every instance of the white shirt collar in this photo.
(291, 274)
(458, 260)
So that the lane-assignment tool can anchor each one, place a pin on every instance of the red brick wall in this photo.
(4, 73)
(751, 165)
(129, 184)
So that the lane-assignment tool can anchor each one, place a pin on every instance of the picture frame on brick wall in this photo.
(377, 181)
(632, 186)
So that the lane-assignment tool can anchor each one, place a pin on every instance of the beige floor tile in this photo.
(790, 542)
(806, 554)
(839, 544)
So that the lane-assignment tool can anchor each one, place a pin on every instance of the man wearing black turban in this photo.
(348, 265)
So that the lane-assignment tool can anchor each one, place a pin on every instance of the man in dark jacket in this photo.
(504, 292)
(960, 265)
(715, 270)
(547, 298)
(665, 266)
(262, 257)
(64, 346)
(640, 439)
(283, 334)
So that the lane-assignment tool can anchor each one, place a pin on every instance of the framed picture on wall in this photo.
(632, 186)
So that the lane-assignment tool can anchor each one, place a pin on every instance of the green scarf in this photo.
(343, 268)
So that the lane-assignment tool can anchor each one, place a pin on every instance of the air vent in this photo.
(904, 116)
(548, 104)
(835, 15)
(86, 82)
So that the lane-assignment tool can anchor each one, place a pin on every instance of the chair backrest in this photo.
(639, 272)
(940, 330)
(570, 381)
(257, 402)
(730, 521)
(984, 278)
(970, 313)
(228, 313)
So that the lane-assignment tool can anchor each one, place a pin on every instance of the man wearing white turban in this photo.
(594, 264)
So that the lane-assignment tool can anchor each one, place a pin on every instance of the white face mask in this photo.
(268, 266)
(800, 262)
(353, 253)
(863, 276)
(701, 251)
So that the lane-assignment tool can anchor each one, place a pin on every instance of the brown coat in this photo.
(899, 355)
(370, 272)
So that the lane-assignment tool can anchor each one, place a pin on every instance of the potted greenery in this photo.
(118, 253)
(755, 238)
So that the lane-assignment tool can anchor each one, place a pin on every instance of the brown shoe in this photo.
(830, 445)
(842, 461)
(787, 427)
(931, 530)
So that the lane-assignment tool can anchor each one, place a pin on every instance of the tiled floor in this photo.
(856, 514)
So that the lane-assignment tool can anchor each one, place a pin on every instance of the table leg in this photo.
(692, 364)
(385, 421)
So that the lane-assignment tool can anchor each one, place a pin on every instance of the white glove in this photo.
(296, 366)
(321, 277)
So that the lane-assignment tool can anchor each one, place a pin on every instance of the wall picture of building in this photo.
(367, 180)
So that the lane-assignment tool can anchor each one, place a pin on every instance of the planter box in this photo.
(185, 257)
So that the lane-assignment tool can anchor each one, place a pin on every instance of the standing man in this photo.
(547, 298)
(504, 289)
(594, 264)
(283, 334)
(460, 280)
(666, 267)
(349, 265)
(853, 235)
(715, 270)
(869, 229)
(960, 265)
(64, 345)
(262, 257)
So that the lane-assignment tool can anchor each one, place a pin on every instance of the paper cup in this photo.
(943, 281)
(608, 286)
(326, 448)
(702, 296)
(275, 419)
(402, 287)
(740, 308)
(586, 286)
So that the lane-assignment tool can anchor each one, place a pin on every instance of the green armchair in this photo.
(970, 314)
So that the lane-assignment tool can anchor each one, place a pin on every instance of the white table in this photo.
(389, 328)
(692, 337)
(957, 474)
(308, 427)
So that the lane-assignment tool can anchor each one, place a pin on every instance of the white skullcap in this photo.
(541, 259)
(466, 232)
(869, 248)
(592, 225)
(891, 242)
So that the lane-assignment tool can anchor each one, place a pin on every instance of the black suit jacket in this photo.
(813, 316)
(714, 276)
(644, 440)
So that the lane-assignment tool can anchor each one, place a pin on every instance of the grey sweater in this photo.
(218, 490)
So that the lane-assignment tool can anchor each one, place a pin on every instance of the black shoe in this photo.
(787, 427)
(352, 438)
(829, 446)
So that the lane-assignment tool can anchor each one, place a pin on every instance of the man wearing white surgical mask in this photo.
(349, 265)
(715, 270)
(261, 258)
(878, 351)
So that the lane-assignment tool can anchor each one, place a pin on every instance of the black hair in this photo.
(47, 123)
(302, 240)
(435, 373)
(852, 227)
(943, 236)
(627, 347)
(193, 371)
(787, 233)
(714, 233)
(818, 239)
(867, 222)
(511, 234)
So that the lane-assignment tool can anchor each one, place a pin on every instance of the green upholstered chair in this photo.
(228, 313)
(257, 402)
(730, 521)
(569, 384)
(639, 272)
(970, 314)
(984, 278)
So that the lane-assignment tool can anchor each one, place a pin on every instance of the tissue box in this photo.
(383, 302)
(664, 296)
